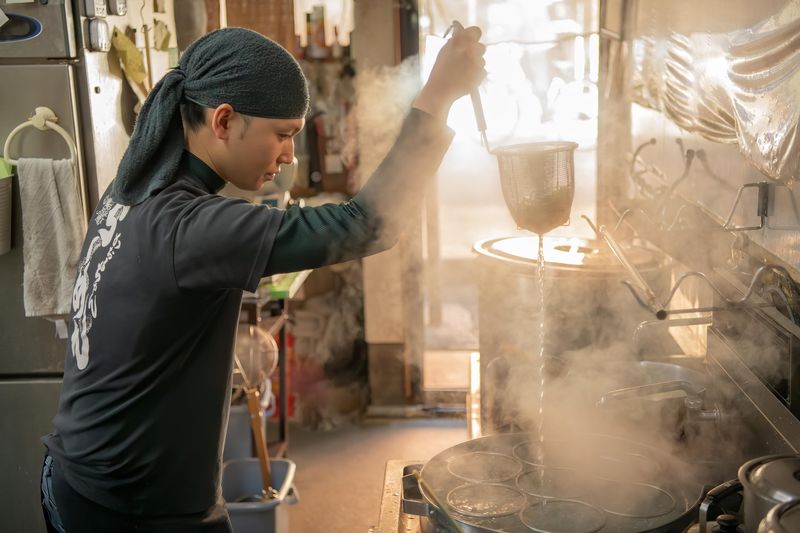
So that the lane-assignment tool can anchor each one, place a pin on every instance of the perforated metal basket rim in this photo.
(517, 466)
(537, 147)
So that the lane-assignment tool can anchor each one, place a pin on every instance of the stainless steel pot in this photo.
(764, 483)
(768, 481)
(783, 518)
(503, 483)
(585, 304)
(664, 398)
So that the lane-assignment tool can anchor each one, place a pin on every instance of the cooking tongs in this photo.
(474, 95)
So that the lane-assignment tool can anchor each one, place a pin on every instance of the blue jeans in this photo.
(49, 509)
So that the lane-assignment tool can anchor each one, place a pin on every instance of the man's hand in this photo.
(457, 71)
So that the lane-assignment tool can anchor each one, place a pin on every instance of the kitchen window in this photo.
(542, 64)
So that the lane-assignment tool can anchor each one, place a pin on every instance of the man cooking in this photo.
(138, 436)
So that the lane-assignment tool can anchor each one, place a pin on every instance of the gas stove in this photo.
(392, 519)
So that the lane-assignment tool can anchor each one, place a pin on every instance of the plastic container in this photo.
(5, 214)
(241, 480)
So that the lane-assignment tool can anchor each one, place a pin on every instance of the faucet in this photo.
(648, 324)
(694, 401)
(651, 389)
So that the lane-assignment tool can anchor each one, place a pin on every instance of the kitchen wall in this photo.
(633, 112)
(107, 102)
(274, 18)
(31, 353)
(393, 279)
(714, 183)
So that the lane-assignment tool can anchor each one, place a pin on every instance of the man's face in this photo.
(257, 147)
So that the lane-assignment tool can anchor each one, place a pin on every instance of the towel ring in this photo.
(45, 119)
(42, 119)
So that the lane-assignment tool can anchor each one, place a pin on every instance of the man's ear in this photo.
(220, 121)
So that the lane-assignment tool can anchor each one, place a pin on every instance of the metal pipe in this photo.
(695, 321)
(762, 215)
(688, 158)
(651, 389)
(695, 407)
(650, 300)
(636, 152)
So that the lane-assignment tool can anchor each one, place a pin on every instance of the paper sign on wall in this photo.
(161, 36)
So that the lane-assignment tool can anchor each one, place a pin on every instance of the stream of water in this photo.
(541, 373)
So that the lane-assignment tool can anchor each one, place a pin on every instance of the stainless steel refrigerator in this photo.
(47, 58)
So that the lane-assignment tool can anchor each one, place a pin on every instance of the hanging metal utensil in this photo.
(256, 424)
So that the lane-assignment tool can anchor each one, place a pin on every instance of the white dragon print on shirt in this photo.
(84, 303)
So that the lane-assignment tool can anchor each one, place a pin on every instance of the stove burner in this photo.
(550, 516)
(484, 467)
(485, 500)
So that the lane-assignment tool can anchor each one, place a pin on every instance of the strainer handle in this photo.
(475, 96)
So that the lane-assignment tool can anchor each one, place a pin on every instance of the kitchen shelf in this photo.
(267, 307)
(285, 286)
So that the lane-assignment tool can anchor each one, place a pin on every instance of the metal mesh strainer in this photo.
(538, 183)
(256, 356)
(538, 179)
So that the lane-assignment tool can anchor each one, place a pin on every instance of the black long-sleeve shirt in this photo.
(140, 424)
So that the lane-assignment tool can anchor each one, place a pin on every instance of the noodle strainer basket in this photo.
(538, 183)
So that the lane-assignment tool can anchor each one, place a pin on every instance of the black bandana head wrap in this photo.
(240, 67)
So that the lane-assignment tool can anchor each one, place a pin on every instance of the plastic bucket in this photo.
(5, 214)
(241, 480)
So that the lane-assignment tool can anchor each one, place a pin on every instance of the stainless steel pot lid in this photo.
(776, 477)
(564, 253)
(485, 467)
